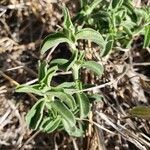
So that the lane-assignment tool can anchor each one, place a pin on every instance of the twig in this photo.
(97, 125)
(33, 73)
(133, 138)
(15, 68)
(62, 73)
(142, 64)
(15, 83)
(75, 144)
(106, 84)
(16, 6)
(27, 141)
(50, 53)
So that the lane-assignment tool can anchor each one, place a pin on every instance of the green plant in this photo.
(63, 107)
(117, 20)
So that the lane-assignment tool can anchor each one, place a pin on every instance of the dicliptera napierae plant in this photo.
(65, 106)
(117, 20)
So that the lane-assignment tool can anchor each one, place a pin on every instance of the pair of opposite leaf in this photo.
(70, 35)
(57, 109)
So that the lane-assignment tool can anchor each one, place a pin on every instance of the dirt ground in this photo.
(23, 25)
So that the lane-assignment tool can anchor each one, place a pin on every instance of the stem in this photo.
(75, 73)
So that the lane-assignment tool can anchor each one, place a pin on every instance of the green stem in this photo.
(75, 72)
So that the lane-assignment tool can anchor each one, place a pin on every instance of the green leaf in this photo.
(72, 60)
(116, 3)
(84, 104)
(64, 63)
(35, 115)
(141, 112)
(67, 20)
(147, 36)
(67, 98)
(29, 89)
(127, 31)
(42, 70)
(49, 125)
(109, 46)
(92, 35)
(60, 62)
(72, 130)
(49, 74)
(64, 111)
(53, 40)
(52, 112)
(94, 67)
(92, 6)
(66, 85)
(68, 27)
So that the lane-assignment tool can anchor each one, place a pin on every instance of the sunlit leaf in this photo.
(64, 111)
(67, 20)
(84, 104)
(72, 130)
(29, 89)
(35, 115)
(49, 125)
(92, 35)
(53, 40)
(116, 3)
(127, 31)
(72, 60)
(92, 6)
(66, 85)
(108, 46)
(94, 67)
(49, 74)
(147, 36)
(42, 69)
(60, 62)
(66, 98)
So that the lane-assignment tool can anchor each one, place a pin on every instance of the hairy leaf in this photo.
(147, 36)
(35, 115)
(116, 3)
(92, 6)
(66, 98)
(29, 89)
(66, 85)
(72, 130)
(108, 46)
(72, 60)
(92, 35)
(53, 40)
(84, 104)
(64, 111)
(49, 125)
(93, 66)
(42, 70)
(60, 62)
(67, 20)
(64, 63)
(49, 74)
